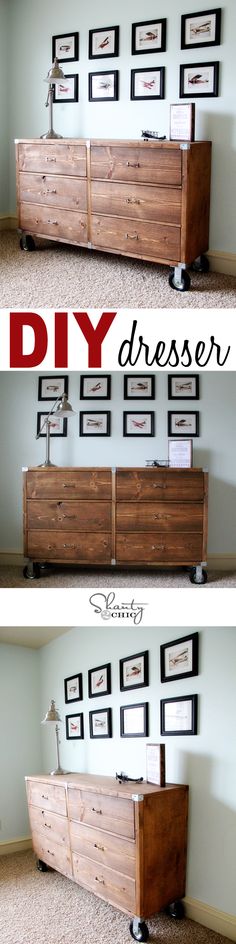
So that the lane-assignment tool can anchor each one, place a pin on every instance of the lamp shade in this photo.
(52, 714)
(55, 74)
(64, 408)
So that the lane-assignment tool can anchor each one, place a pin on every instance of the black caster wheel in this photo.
(41, 866)
(176, 910)
(195, 578)
(182, 285)
(31, 573)
(201, 264)
(139, 930)
(27, 243)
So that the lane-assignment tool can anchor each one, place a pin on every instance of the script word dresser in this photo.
(126, 517)
(126, 842)
(145, 199)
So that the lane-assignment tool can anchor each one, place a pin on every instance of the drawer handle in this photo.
(96, 811)
(97, 846)
(162, 517)
(68, 485)
(130, 164)
(52, 222)
(47, 826)
(99, 880)
(50, 853)
(132, 200)
(131, 235)
(72, 546)
(49, 191)
(44, 797)
(158, 547)
(51, 160)
(156, 485)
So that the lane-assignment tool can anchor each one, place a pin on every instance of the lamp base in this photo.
(47, 465)
(51, 134)
(54, 773)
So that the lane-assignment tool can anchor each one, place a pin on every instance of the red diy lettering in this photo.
(18, 320)
(94, 336)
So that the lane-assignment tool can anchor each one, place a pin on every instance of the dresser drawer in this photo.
(68, 483)
(66, 192)
(157, 204)
(53, 826)
(155, 240)
(149, 484)
(55, 545)
(114, 814)
(73, 515)
(55, 158)
(54, 222)
(135, 163)
(111, 885)
(159, 516)
(48, 796)
(54, 854)
(102, 847)
(165, 548)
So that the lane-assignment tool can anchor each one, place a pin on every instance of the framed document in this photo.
(155, 763)
(180, 453)
(182, 122)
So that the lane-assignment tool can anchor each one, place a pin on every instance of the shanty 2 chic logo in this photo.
(106, 607)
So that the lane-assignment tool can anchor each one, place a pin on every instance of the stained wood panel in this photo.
(54, 222)
(150, 239)
(54, 158)
(69, 515)
(157, 204)
(136, 163)
(66, 192)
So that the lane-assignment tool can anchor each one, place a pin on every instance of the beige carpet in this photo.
(57, 276)
(78, 577)
(46, 908)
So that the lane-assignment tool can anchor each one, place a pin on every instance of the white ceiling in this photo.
(34, 637)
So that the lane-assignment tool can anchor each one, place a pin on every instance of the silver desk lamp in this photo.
(63, 411)
(52, 717)
(54, 76)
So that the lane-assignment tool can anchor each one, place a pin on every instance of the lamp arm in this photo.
(47, 417)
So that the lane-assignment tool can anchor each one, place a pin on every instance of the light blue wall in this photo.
(20, 746)
(4, 109)
(31, 27)
(206, 762)
(215, 449)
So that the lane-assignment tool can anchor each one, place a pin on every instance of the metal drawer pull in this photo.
(72, 546)
(49, 191)
(47, 826)
(96, 811)
(51, 160)
(53, 222)
(155, 485)
(100, 880)
(68, 485)
(129, 164)
(101, 848)
(132, 200)
(158, 547)
(131, 236)
(51, 853)
(44, 797)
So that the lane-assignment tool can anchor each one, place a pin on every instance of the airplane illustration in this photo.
(134, 670)
(105, 42)
(197, 79)
(53, 425)
(184, 386)
(64, 48)
(64, 88)
(74, 727)
(96, 423)
(99, 724)
(99, 681)
(104, 85)
(52, 387)
(72, 688)
(149, 36)
(139, 423)
(181, 657)
(96, 387)
(203, 28)
(148, 85)
(182, 423)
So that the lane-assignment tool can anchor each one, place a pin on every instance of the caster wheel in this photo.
(194, 578)
(31, 573)
(183, 285)
(41, 866)
(27, 243)
(139, 931)
(176, 910)
(200, 264)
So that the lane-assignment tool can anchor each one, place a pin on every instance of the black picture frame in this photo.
(99, 681)
(62, 421)
(134, 720)
(212, 26)
(170, 727)
(148, 90)
(147, 36)
(196, 90)
(93, 428)
(90, 381)
(51, 391)
(183, 429)
(70, 736)
(182, 653)
(111, 41)
(59, 45)
(65, 97)
(73, 684)
(141, 419)
(102, 720)
(134, 667)
(107, 79)
(139, 386)
(184, 382)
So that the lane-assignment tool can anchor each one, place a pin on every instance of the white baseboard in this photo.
(218, 921)
(224, 262)
(15, 845)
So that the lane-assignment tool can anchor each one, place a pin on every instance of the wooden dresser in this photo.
(147, 199)
(126, 517)
(124, 842)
